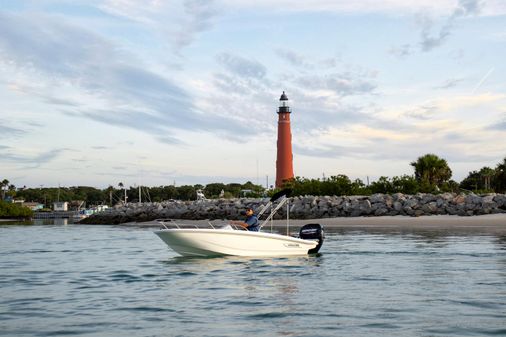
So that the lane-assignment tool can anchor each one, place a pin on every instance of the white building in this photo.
(60, 206)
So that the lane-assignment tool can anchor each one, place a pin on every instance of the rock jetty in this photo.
(310, 207)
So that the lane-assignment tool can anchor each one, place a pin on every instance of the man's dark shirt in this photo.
(253, 224)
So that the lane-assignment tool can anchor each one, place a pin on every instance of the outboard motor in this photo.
(313, 231)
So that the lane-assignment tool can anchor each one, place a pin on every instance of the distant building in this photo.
(60, 206)
(100, 208)
(34, 206)
(76, 205)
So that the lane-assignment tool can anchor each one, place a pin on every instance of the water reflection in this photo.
(438, 237)
(110, 281)
(501, 242)
(206, 264)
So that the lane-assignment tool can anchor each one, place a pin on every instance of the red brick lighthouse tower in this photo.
(284, 161)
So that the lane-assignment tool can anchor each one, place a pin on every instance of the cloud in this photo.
(180, 21)
(241, 66)
(292, 57)
(122, 90)
(391, 7)
(300, 61)
(7, 131)
(401, 51)
(330, 151)
(405, 150)
(199, 14)
(342, 84)
(450, 83)
(169, 140)
(430, 40)
(33, 161)
(433, 35)
(422, 112)
(499, 125)
(60, 101)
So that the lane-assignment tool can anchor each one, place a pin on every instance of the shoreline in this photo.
(311, 207)
(491, 223)
(11, 220)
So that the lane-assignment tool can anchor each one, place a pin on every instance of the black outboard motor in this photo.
(313, 231)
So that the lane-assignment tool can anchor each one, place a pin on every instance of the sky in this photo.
(185, 92)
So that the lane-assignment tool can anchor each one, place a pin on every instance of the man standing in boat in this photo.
(251, 223)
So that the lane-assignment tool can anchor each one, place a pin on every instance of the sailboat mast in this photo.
(287, 216)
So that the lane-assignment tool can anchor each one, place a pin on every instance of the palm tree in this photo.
(110, 189)
(12, 190)
(121, 187)
(487, 174)
(432, 170)
(3, 185)
(500, 177)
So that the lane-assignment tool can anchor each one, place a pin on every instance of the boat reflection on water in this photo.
(250, 290)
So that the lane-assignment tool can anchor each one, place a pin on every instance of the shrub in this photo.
(10, 210)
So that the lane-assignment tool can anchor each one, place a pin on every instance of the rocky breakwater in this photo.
(310, 207)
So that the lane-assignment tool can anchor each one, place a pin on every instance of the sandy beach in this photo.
(494, 223)
(491, 224)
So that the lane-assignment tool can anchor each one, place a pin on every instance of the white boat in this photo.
(230, 240)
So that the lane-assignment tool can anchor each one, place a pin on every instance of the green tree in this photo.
(450, 186)
(12, 210)
(480, 181)
(233, 189)
(110, 190)
(213, 190)
(431, 171)
(405, 184)
(3, 185)
(382, 185)
(187, 192)
(11, 190)
(500, 177)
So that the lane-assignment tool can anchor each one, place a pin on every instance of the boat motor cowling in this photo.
(313, 231)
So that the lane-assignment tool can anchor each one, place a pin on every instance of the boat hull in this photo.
(221, 242)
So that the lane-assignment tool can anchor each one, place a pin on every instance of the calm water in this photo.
(116, 281)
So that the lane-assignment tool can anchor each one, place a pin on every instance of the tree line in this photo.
(116, 194)
(432, 174)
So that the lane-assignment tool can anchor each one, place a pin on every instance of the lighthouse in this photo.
(284, 160)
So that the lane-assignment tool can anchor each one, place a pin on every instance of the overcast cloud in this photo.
(175, 90)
